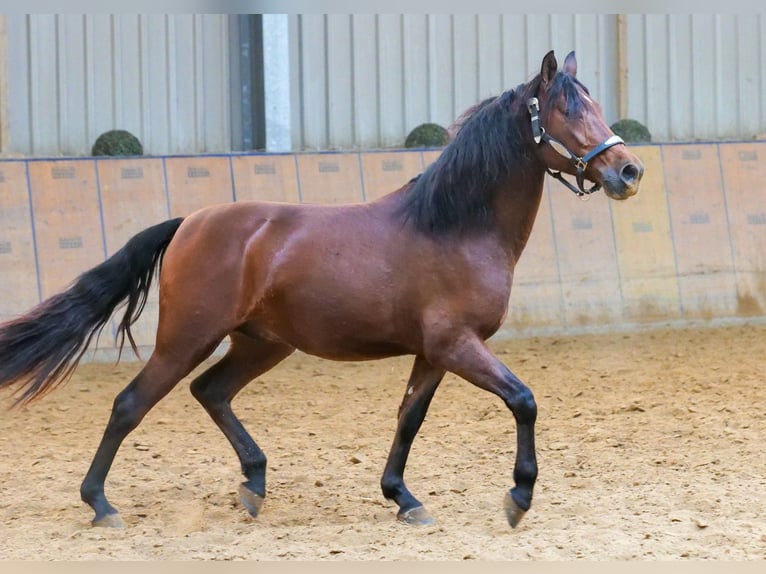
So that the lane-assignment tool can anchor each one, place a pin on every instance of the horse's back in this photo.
(307, 275)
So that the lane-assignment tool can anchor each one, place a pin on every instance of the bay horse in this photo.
(423, 271)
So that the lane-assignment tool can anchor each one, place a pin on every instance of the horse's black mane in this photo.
(454, 193)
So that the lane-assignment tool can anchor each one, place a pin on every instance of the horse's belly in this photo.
(356, 351)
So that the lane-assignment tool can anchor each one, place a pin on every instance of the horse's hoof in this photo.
(513, 512)
(418, 516)
(250, 500)
(113, 520)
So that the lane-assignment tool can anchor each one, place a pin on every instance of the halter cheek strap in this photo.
(534, 113)
(580, 162)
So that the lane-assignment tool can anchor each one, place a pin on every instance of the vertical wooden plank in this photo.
(265, 177)
(196, 182)
(385, 172)
(132, 199)
(536, 297)
(645, 246)
(744, 171)
(67, 221)
(587, 258)
(330, 178)
(700, 230)
(18, 287)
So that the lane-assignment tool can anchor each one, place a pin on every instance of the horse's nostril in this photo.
(630, 173)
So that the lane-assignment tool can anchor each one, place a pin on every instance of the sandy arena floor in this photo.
(650, 446)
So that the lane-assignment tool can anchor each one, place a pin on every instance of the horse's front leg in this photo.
(424, 380)
(469, 358)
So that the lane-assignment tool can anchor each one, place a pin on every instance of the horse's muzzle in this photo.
(623, 183)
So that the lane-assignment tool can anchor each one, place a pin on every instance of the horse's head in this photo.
(573, 136)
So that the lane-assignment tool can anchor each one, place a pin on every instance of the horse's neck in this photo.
(516, 205)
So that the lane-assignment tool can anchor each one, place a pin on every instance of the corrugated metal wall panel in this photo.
(364, 74)
(441, 73)
(365, 81)
(165, 78)
(340, 107)
(415, 38)
(698, 76)
(391, 89)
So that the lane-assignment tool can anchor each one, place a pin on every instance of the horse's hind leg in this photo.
(215, 388)
(154, 381)
(424, 380)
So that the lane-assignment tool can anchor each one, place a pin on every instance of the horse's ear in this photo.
(549, 68)
(570, 64)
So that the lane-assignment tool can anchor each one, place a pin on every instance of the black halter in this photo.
(580, 163)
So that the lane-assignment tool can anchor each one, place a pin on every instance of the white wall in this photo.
(165, 78)
(365, 81)
(700, 76)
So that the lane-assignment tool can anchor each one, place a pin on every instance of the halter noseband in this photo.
(581, 163)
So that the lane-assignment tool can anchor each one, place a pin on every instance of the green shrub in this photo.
(427, 135)
(117, 143)
(631, 131)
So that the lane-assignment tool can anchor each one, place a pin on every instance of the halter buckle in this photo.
(533, 105)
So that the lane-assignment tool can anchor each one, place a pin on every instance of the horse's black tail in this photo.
(40, 350)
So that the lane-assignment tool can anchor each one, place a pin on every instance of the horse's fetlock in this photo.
(255, 467)
(89, 492)
(525, 472)
(391, 487)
